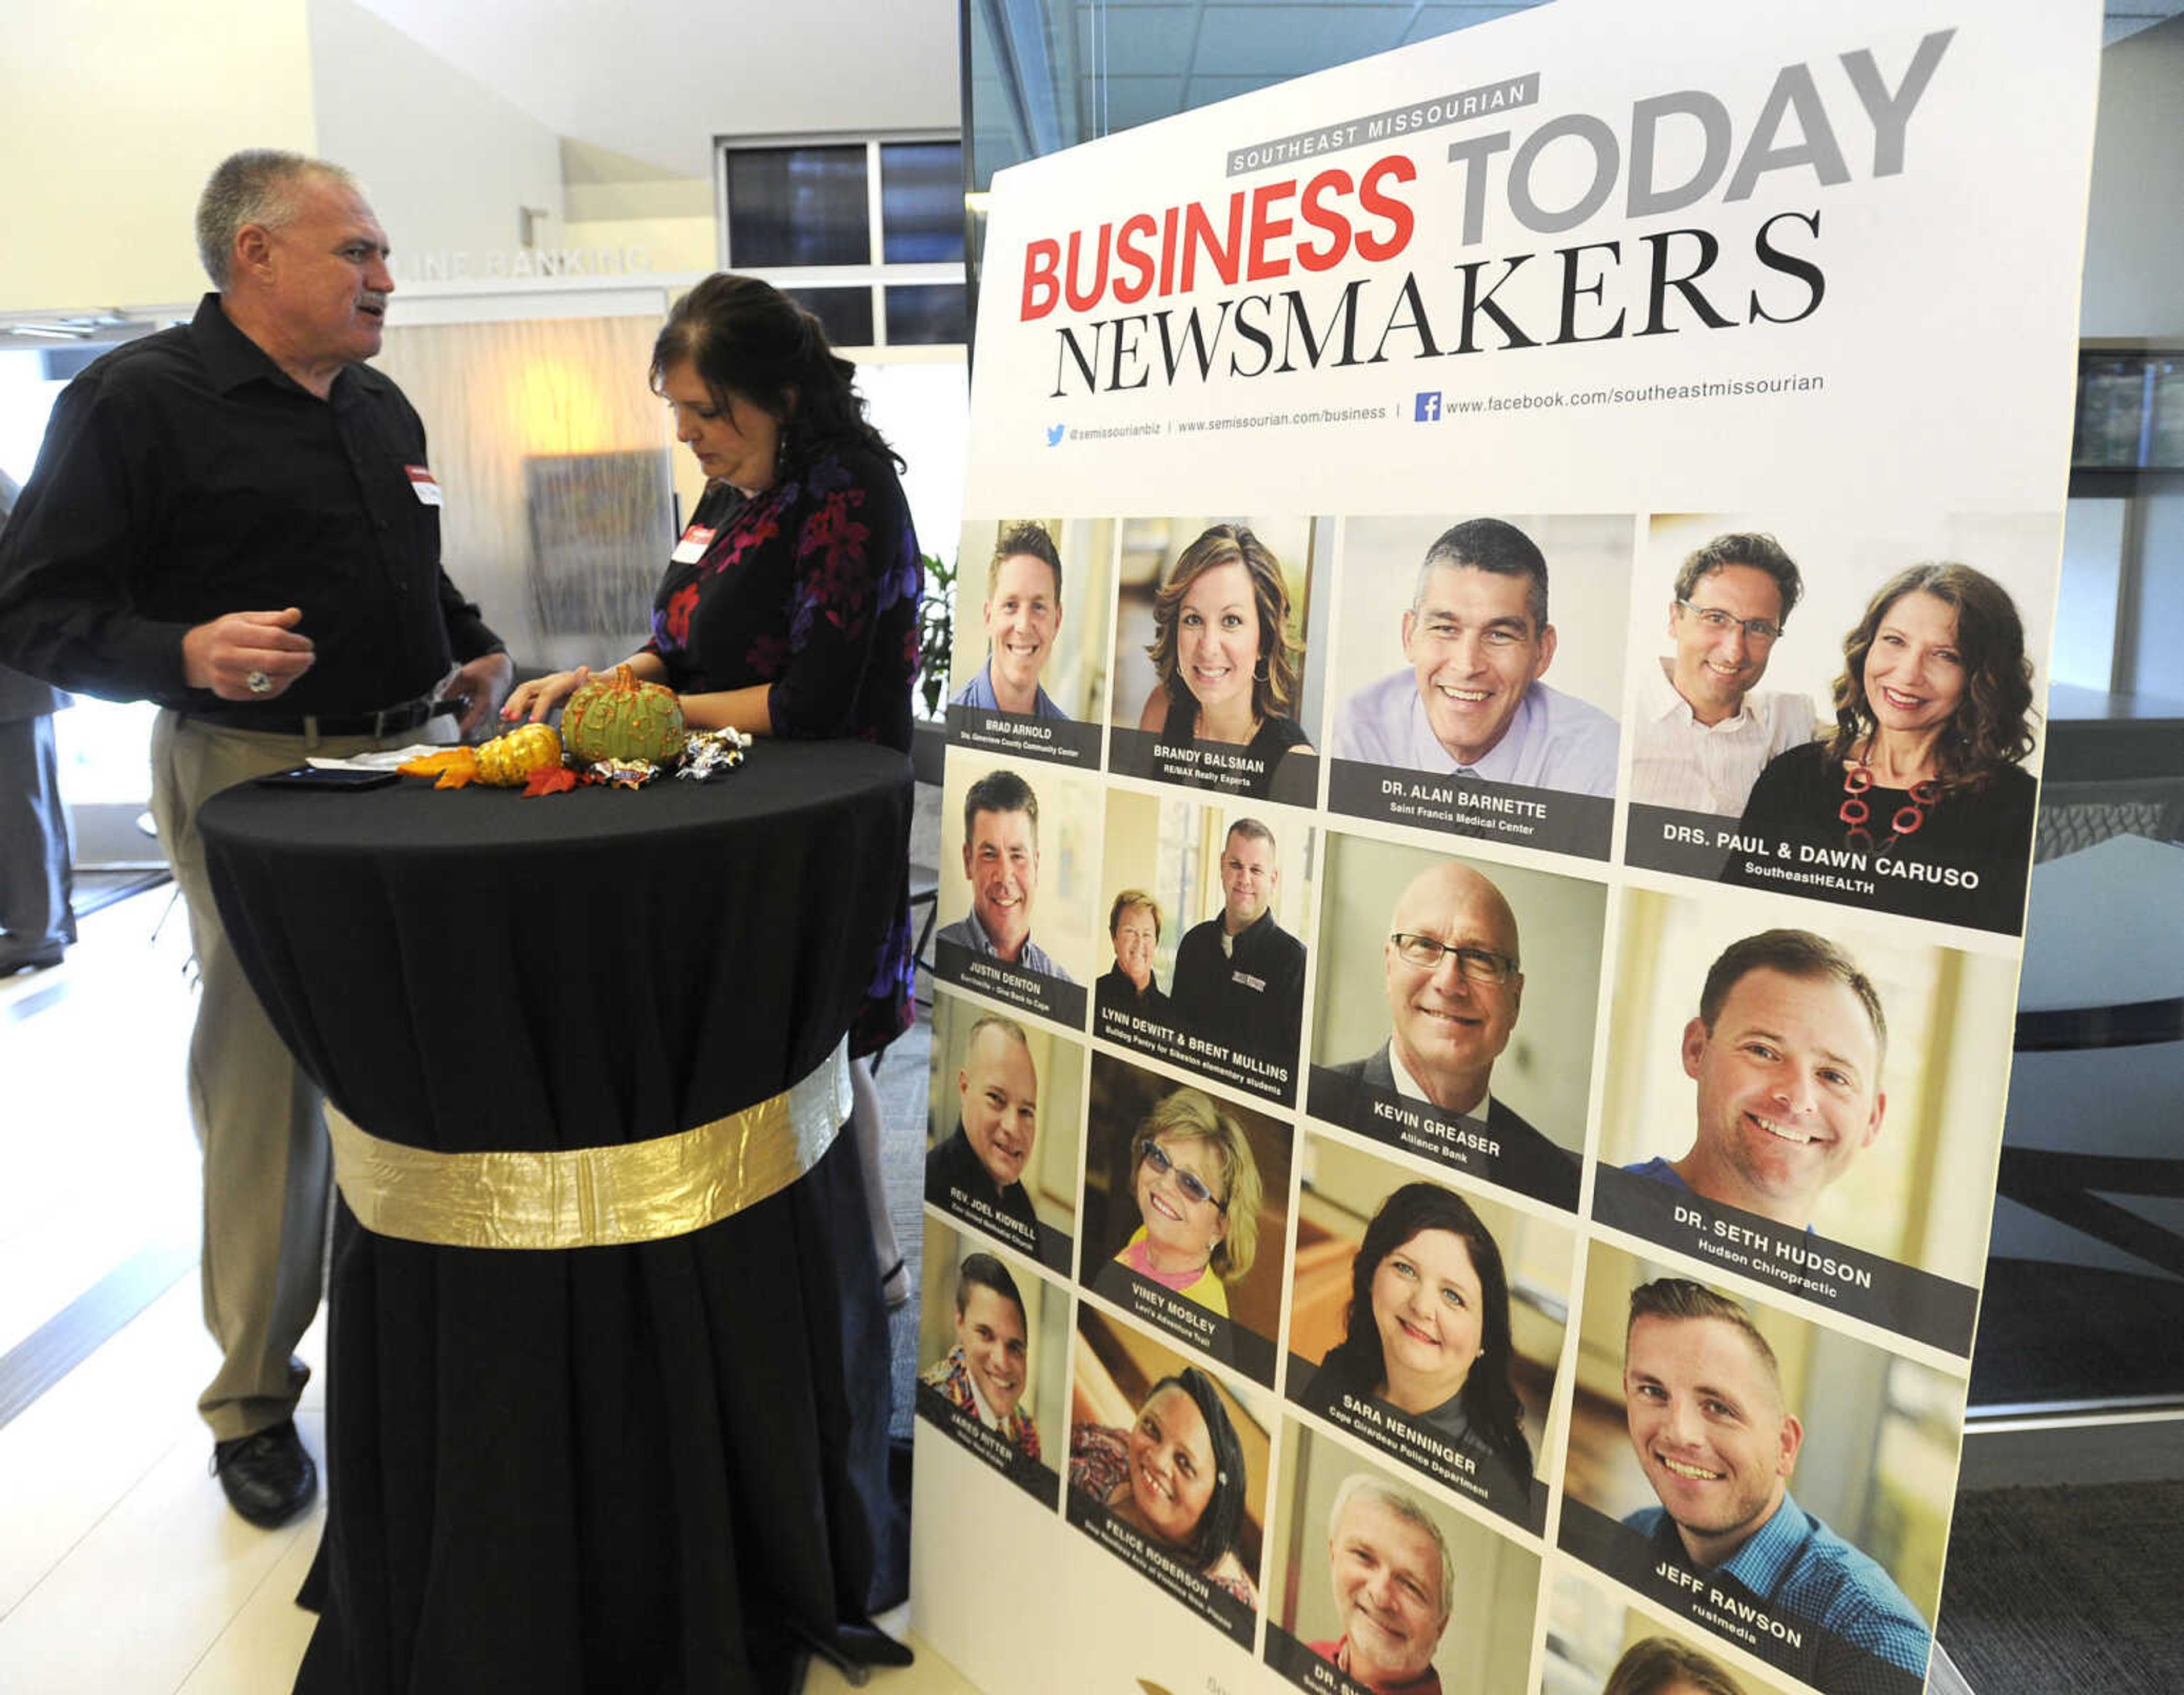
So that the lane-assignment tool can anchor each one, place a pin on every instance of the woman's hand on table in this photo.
(533, 700)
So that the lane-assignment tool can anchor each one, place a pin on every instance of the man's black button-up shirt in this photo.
(185, 476)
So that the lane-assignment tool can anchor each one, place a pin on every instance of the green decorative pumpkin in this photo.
(621, 718)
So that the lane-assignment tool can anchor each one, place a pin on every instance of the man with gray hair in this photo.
(1394, 1581)
(1477, 642)
(237, 519)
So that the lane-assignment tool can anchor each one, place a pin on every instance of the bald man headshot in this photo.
(1450, 970)
(997, 1125)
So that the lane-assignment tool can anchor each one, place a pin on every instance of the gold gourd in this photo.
(507, 761)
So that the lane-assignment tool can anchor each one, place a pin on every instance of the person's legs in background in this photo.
(865, 1126)
(36, 855)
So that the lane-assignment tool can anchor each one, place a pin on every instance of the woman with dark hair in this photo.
(1426, 1330)
(1922, 776)
(790, 608)
(1175, 1476)
(1661, 1666)
(1230, 670)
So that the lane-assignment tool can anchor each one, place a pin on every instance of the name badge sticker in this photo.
(692, 548)
(426, 485)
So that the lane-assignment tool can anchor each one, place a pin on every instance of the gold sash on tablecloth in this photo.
(593, 1197)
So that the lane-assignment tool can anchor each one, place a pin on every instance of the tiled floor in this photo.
(121, 1569)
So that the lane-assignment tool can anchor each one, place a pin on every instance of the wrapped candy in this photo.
(625, 774)
(710, 751)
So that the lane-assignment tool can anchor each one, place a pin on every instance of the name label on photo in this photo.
(1846, 1280)
(1065, 741)
(1549, 819)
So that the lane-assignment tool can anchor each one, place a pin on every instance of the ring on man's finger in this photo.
(258, 683)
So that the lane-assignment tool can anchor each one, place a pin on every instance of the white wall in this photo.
(446, 161)
(112, 117)
(613, 200)
(2135, 224)
(657, 81)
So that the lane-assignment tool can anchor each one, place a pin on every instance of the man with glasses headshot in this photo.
(1455, 989)
(1703, 728)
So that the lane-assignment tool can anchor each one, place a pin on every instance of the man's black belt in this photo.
(390, 720)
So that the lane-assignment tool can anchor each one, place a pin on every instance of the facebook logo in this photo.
(1428, 407)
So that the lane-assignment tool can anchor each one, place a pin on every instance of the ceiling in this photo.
(1049, 73)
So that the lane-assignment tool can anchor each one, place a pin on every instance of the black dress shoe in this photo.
(268, 1476)
(866, 1644)
(19, 953)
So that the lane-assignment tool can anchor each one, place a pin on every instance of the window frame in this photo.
(877, 275)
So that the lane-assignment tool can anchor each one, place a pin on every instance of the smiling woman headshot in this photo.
(1175, 1476)
(1922, 775)
(1198, 1190)
(1427, 1332)
(1229, 669)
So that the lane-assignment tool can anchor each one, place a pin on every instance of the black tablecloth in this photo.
(602, 1468)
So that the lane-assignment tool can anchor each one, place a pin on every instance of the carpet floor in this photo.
(2067, 1588)
(904, 1078)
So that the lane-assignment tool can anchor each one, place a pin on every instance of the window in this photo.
(865, 234)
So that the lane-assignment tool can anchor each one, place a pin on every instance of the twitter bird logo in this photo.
(1053, 433)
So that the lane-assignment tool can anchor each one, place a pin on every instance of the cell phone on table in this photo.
(323, 777)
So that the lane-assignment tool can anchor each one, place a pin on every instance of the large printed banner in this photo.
(1493, 741)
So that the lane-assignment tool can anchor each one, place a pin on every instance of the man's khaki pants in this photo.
(267, 1167)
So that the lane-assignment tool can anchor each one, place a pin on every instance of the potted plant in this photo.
(936, 636)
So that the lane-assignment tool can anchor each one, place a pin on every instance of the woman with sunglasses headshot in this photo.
(1197, 1190)
(1427, 1332)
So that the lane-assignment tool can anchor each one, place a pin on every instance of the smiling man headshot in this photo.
(1394, 1583)
(1704, 729)
(1239, 975)
(1471, 703)
(1786, 1051)
(1449, 967)
(997, 1125)
(1703, 1396)
(1000, 858)
(1023, 615)
(983, 1374)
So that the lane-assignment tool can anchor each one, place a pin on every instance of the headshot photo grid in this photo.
(1304, 1013)
(1505, 882)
